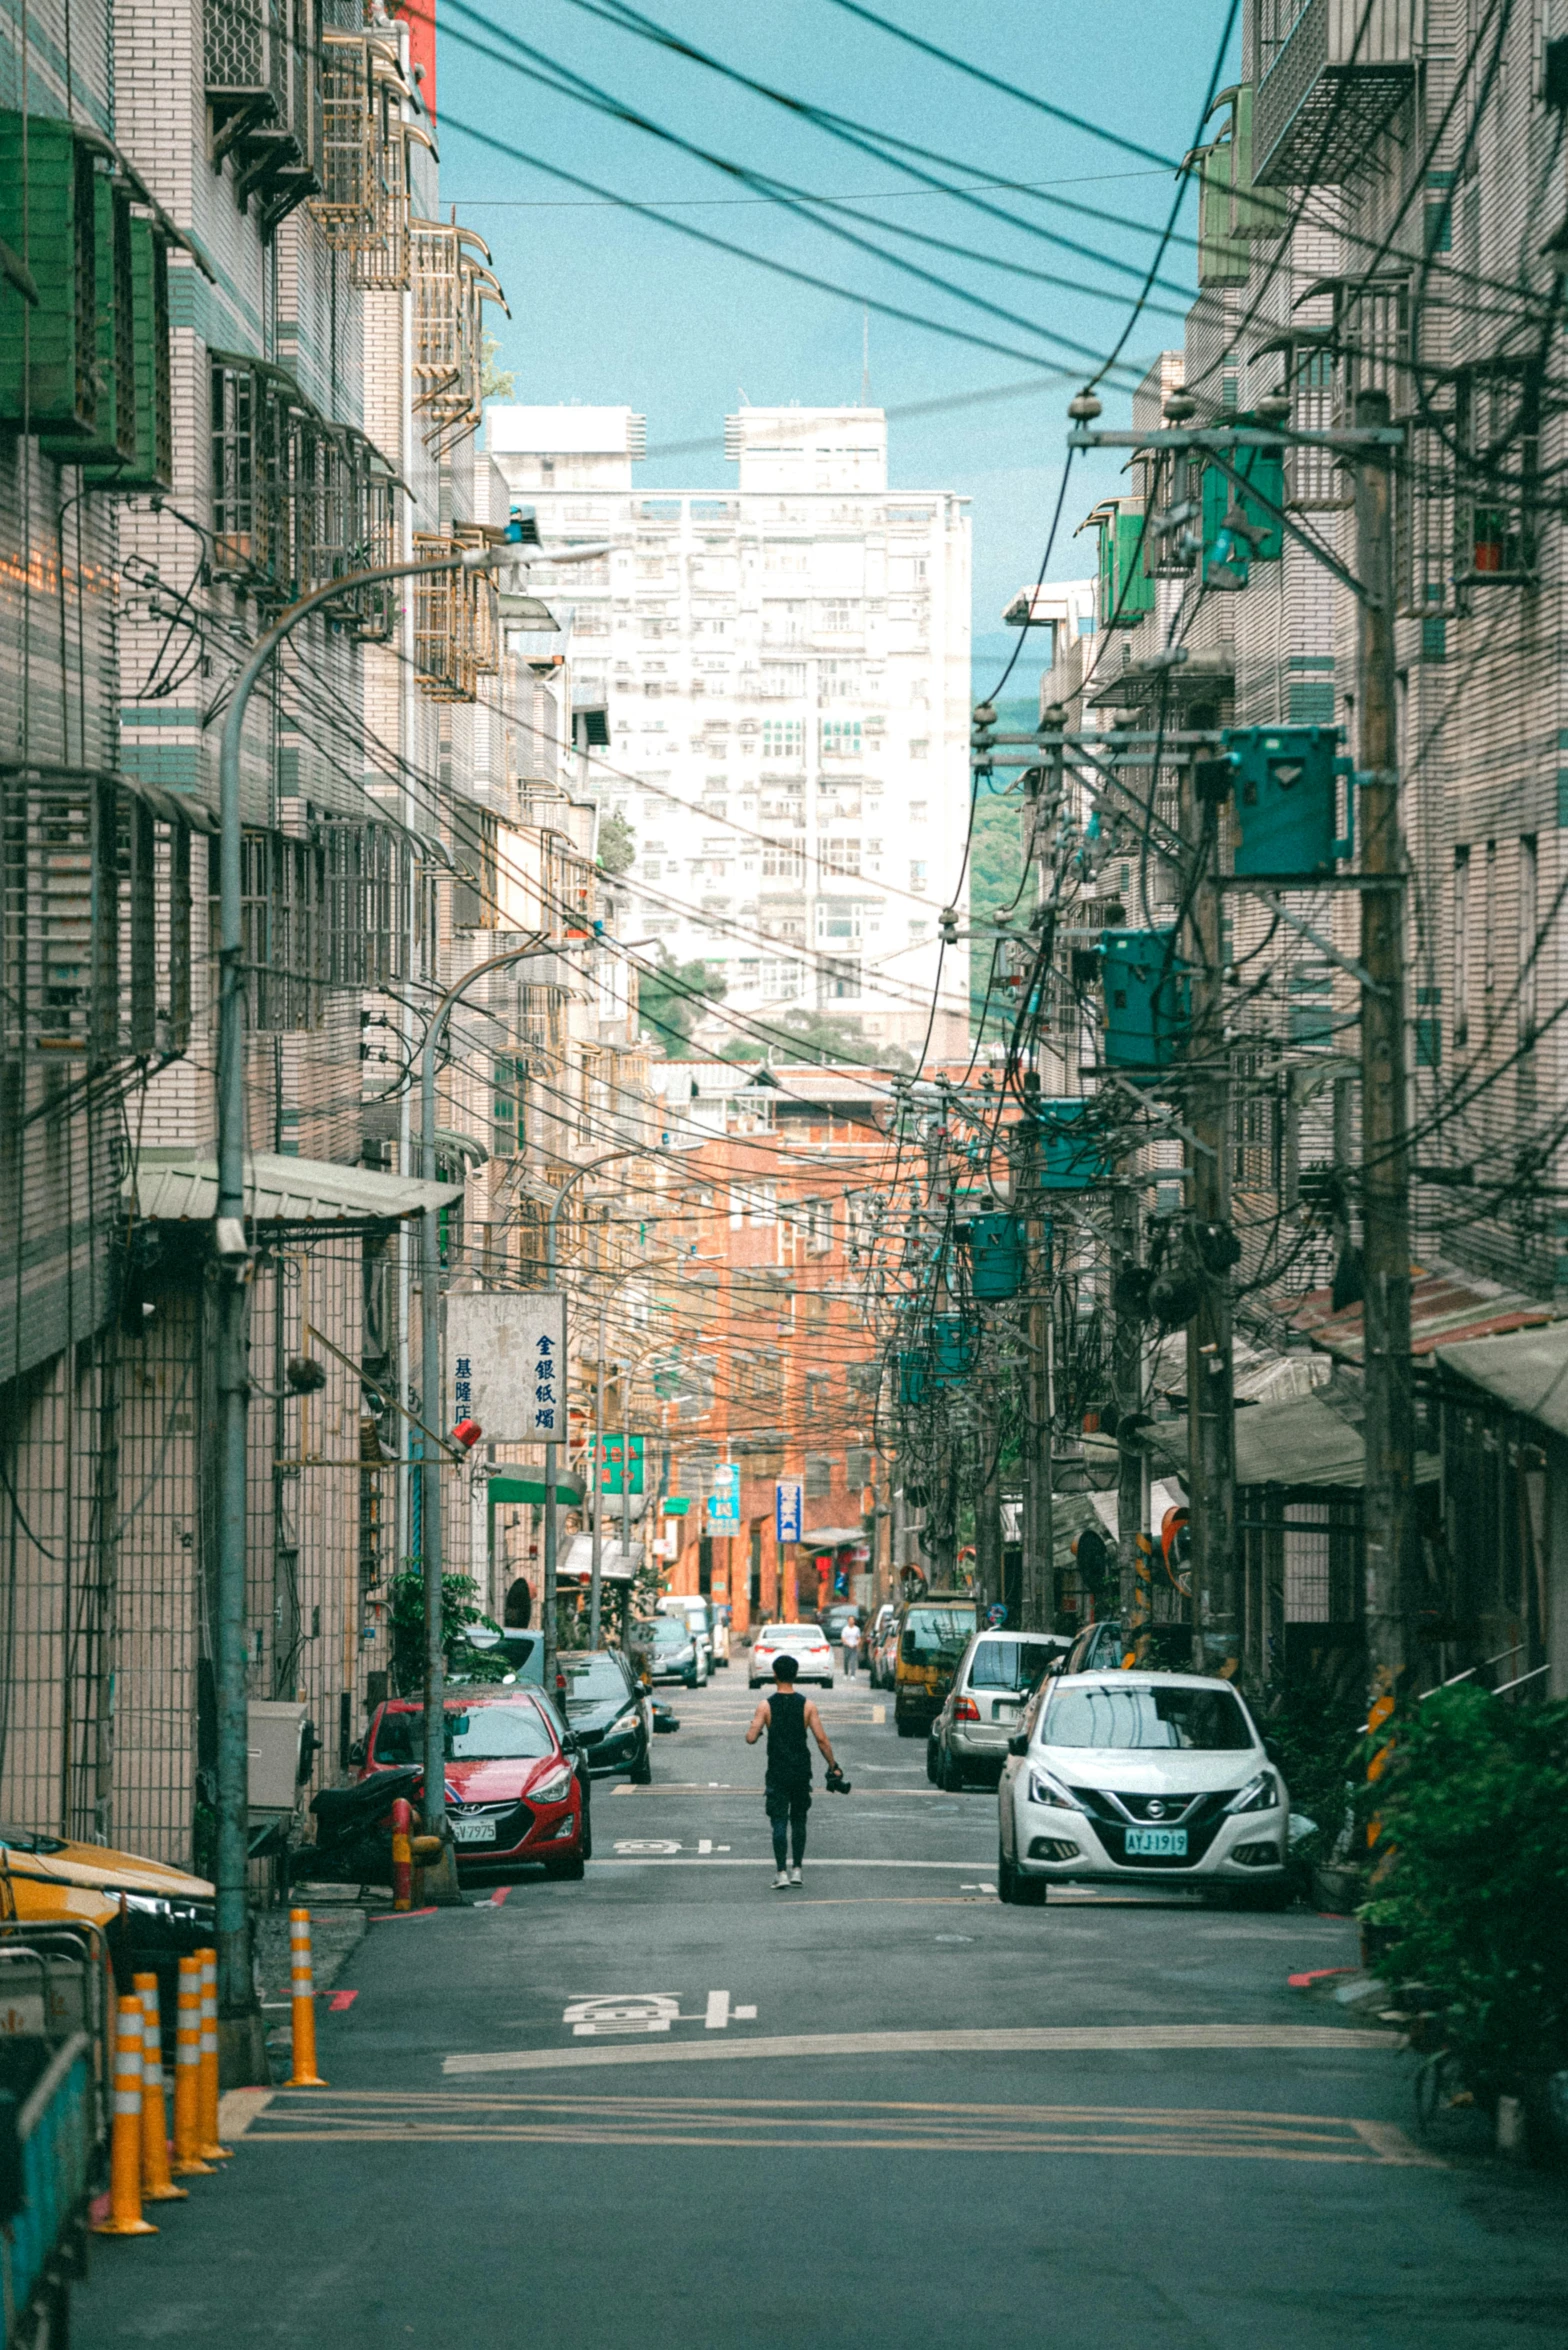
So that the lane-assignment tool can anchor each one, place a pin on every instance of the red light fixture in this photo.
(467, 1433)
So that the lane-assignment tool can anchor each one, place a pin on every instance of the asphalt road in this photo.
(880, 2110)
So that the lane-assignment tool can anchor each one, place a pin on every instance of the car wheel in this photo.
(933, 1763)
(952, 1778)
(1256, 1897)
(905, 1727)
(1030, 1892)
(1006, 1878)
(568, 1871)
(641, 1772)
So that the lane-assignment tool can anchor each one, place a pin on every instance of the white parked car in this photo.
(806, 1643)
(1131, 1778)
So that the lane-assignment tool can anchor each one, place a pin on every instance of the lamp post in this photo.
(242, 2051)
(440, 1880)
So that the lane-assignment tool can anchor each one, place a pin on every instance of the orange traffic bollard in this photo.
(402, 1854)
(157, 2185)
(125, 2141)
(188, 2163)
(302, 1991)
(207, 2069)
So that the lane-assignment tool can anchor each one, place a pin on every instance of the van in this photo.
(933, 1632)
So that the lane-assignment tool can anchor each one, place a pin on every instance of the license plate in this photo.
(1002, 1711)
(472, 1831)
(1166, 1842)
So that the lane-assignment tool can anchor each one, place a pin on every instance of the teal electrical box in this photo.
(912, 1372)
(1285, 791)
(953, 1350)
(996, 1257)
(1148, 999)
(1239, 529)
(1070, 1157)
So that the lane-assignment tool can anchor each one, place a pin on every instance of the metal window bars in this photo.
(322, 912)
(1497, 424)
(457, 635)
(450, 288)
(363, 209)
(263, 90)
(95, 937)
(296, 501)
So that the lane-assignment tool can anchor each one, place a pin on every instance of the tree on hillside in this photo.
(818, 1036)
(996, 867)
(617, 845)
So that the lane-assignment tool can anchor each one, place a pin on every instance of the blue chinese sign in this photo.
(789, 1510)
(724, 1500)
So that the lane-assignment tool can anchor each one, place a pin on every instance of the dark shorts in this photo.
(787, 1801)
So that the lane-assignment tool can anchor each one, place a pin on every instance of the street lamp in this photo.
(239, 2019)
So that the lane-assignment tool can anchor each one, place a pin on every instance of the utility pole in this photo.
(1127, 1384)
(988, 1508)
(596, 1484)
(1385, 1175)
(1037, 1592)
(1211, 1410)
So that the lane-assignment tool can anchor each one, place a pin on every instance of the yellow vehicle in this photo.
(933, 1632)
(151, 1915)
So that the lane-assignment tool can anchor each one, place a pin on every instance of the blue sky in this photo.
(609, 306)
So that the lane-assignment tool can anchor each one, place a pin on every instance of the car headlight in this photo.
(554, 1787)
(1043, 1788)
(1259, 1794)
(624, 1726)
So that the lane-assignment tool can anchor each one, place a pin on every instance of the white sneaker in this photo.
(794, 1876)
(782, 1880)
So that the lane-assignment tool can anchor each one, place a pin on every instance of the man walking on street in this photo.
(787, 1716)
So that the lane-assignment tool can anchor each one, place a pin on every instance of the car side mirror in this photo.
(356, 1753)
(1017, 1744)
(1271, 1749)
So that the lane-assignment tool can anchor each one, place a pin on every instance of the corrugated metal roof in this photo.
(1300, 1443)
(171, 1186)
(1528, 1371)
(1444, 1308)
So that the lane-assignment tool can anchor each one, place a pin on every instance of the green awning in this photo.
(525, 1488)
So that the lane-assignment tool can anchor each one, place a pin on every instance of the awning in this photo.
(172, 1186)
(1527, 1371)
(1300, 1443)
(524, 1487)
(576, 1562)
(832, 1537)
(1444, 1308)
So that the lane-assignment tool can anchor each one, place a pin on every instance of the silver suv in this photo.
(998, 1674)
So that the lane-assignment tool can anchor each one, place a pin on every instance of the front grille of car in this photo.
(512, 1823)
(1257, 1856)
(1201, 1818)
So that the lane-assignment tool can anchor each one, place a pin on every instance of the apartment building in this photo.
(241, 359)
(774, 681)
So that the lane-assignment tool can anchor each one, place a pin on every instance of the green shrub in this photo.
(1473, 1898)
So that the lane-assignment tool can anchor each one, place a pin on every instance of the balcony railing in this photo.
(1330, 85)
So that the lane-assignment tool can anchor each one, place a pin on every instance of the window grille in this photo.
(1424, 516)
(323, 912)
(363, 207)
(263, 87)
(450, 288)
(1497, 422)
(456, 621)
(94, 918)
(296, 501)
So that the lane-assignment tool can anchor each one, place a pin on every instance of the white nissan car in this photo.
(1142, 1779)
(806, 1643)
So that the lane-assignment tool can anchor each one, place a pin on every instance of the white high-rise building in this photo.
(783, 669)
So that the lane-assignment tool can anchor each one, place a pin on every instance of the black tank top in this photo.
(789, 1757)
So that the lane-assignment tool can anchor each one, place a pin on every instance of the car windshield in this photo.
(592, 1680)
(931, 1633)
(1206, 1720)
(670, 1632)
(480, 1733)
(1010, 1664)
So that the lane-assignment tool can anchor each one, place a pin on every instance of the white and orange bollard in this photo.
(125, 2136)
(207, 2068)
(188, 2163)
(157, 2184)
(303, 1994)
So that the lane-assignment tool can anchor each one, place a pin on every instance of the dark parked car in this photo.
(670, 1649)
(1104, 1648)
(609, 1713)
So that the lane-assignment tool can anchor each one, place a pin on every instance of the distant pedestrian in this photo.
(850, 1637)
(787, 1717)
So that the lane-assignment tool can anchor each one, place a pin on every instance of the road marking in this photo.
(612, 2014)
(238, 2108)
(341, 2001)
(1030, 2039)
(879, 1713)
(669, 1856)
(389, 2117)
(649, 1848)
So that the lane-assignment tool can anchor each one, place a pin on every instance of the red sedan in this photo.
(513, 1791)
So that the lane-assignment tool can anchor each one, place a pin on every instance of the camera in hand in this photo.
(835, 1781)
